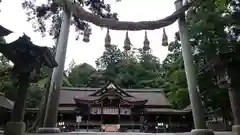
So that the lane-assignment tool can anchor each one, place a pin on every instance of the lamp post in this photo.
(196, 105)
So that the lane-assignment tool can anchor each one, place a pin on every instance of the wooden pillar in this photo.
(89, 111)
(141, 121)
(101, 114)
(157, 117)
(169, 123)
(132, 119)
(119, 113)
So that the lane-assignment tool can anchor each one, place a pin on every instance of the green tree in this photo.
(97, 79)
(175, 84)
(149, 73)
(79, 75)
(213, 29)
(109, 61)
(5, 75)
(39, 14)
(130, 69)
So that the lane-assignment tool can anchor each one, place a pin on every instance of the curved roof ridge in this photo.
(125, 89)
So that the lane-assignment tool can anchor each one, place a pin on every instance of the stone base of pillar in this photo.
(15, 128)
(48, 130)
(236, 129)
(202, 132)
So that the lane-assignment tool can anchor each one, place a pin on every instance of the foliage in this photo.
(213, 28)
(128, 68)
(79, 74)
(175, 83)
(39, 14)
(5, 72)
(136, 69)
(110, 61)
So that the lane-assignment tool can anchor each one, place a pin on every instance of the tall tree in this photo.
(79, 75)
(110, 60)
(175, 84)
(212, 25)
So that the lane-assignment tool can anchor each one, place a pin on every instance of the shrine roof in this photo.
(166, 110)
(154, 96)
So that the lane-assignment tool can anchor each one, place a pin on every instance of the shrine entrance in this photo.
(110, 119)
(110, 115)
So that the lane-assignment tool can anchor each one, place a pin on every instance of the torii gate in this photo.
(56, 81)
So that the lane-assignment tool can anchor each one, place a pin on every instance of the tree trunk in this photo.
(235, 105)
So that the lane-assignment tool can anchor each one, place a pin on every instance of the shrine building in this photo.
(112, 108)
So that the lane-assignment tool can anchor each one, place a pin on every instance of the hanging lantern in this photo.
(86, 35)
(164, 38)
(146, 43)
(127, 43)
(107, 39)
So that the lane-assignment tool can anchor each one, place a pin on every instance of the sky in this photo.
(13, 17)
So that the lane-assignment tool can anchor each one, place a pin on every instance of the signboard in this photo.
(110, 111)
(79, 119)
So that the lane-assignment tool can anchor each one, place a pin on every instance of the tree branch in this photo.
(82, 14)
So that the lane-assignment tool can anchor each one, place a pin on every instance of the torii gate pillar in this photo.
(50, 121)
(196, 105)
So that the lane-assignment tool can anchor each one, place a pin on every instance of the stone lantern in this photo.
(146, 43)
(164, 38)
(107, 39)
(28, 60)
(127, 43)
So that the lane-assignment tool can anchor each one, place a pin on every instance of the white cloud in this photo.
(14, 18)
